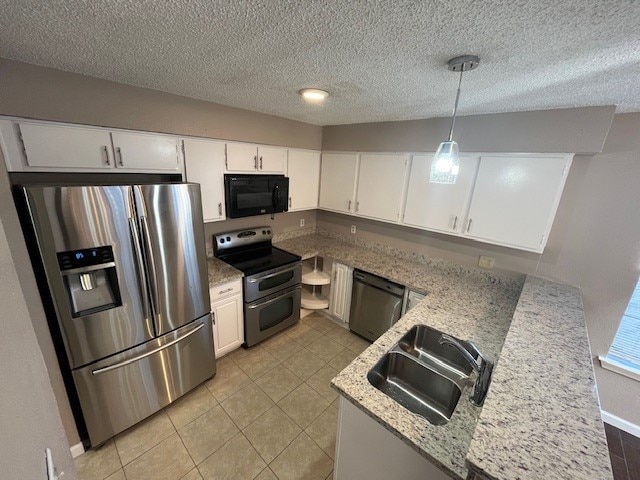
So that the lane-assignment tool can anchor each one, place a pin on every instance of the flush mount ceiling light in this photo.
(446, 163)
(313, 95)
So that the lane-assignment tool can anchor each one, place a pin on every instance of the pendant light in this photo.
(446, 163)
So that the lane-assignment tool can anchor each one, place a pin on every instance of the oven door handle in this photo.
(258, 279)
(268, 302)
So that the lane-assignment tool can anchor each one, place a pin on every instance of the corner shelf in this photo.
(315, 277)
(312, 299)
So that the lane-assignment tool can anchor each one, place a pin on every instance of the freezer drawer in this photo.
(118, 392)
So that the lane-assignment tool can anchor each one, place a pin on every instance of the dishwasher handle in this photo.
(378, 282)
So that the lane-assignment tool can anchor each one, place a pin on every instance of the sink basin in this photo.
(416, 387)
(422, 342)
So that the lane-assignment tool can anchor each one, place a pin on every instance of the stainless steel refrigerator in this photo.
(127, 274)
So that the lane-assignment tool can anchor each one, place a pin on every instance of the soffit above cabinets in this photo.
(380, 61)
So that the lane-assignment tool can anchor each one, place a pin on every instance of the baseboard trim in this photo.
(77, 450)
(621, 423)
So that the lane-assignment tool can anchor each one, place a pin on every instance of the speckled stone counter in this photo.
(479, 306)
(541, 418)
(221, 273)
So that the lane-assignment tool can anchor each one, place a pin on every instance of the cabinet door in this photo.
(271, 159)
(242, 157)
(380, 186)
(228, 330)
(59, 146)
(438, 206)
(147, 152)
(340, 298)
(515, 200)
(304, 179)
(337, 181)
(204, 163)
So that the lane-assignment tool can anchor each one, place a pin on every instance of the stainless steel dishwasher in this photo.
(376, 304)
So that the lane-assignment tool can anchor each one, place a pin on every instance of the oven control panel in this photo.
(239, 238)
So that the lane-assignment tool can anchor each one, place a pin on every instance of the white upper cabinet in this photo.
(271, 159)
(515, 199)
(49, 147)
(304, 179)
(242, 157)
(144, 151)
(438, 206)
(381, 181)
(338, 181)
(204, 164)
(247, 157)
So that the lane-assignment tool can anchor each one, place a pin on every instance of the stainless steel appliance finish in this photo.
(376, 304)
(126, 270)
(264, 284)
(272, 314)
(272, 290)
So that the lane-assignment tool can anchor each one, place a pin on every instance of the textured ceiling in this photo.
(381, 60)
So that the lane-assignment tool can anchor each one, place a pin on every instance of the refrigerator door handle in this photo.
(153, 286)
(147, 354)
(137, 249)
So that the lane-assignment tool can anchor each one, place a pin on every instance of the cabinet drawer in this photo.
(225, 290)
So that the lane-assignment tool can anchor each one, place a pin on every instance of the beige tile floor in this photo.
(269, 413)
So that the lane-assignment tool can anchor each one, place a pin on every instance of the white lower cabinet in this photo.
(438, 206)
(365, 450)
(228, 319)
(204, 164)
(340, 297)
(515, 199)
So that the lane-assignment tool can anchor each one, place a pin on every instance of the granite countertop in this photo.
(479, 306)
(221, 273)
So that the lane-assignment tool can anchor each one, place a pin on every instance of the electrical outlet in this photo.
(353, 229)
(302, 222)
(209, 251)
(486, 262)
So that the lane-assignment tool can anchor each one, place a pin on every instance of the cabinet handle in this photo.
(357, 207)
(260, 162)
(119, 152)
(469, 225)
(213, 317)
(225, 291)
(349, 207)
(255, 162)
(289, 202)
(455, 222)
(220, 209)
(106, 154)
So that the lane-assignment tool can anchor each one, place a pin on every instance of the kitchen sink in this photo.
(423, 343)
(416, 387)
(427, 370)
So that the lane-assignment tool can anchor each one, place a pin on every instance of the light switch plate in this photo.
(353, 229)
(486, 262)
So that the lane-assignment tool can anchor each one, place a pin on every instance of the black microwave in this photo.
(247, 195)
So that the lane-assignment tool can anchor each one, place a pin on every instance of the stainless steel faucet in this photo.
(480, 364)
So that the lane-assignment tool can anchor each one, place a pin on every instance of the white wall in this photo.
(29, 415)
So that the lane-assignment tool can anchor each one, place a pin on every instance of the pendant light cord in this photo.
(455, 107)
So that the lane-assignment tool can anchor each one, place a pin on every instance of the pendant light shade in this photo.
(446, 163)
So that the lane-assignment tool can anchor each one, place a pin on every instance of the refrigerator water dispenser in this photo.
(90, 279)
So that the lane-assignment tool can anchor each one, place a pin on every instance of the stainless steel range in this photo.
(272, 289)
